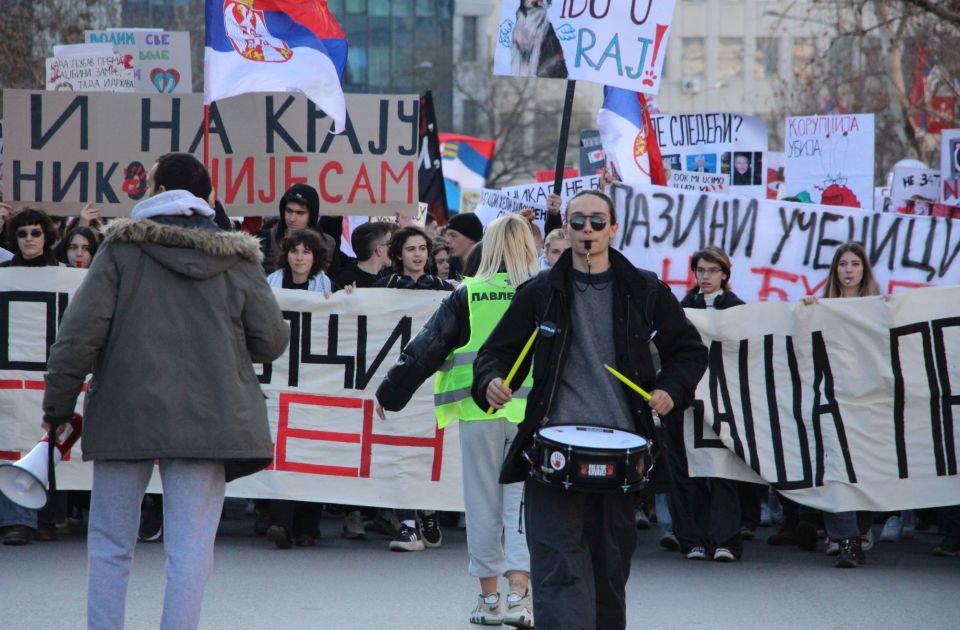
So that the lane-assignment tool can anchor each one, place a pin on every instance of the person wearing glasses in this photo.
(706, 511)
(593, 307)
(32, 236)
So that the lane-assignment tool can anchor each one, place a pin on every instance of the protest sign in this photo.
(881, 199)
(838, 404)
(773, 163)
(536, 194)
(64, 150)
(914, 190)
(830, 158)
(161, 59)
(702, 182)
(90, 73)
(592, 159)
(802, 394)
(950, 167)
(496, 203)
(622, 44)
(779, 250)
(328, 445)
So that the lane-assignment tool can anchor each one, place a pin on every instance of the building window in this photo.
(692, 57)
(425, 8)
(804, 52)
(468, 46)
(379, 7)
(355, 6)
(766, 57)
(729, 57)
(471, 118)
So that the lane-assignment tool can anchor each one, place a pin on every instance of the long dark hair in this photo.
(30, 216)
(868, 285)
(309, 239)
(92, 237)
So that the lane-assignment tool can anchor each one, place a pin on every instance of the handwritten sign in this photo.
(622, 44)
(914, 190)
(161, 60)
(90, 73)
(703, 182)
(830, 158)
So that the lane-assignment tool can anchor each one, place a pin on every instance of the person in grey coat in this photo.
(169, 319)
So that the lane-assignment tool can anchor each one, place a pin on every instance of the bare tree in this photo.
(870, 64)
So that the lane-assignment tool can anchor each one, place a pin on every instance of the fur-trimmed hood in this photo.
(191, 246)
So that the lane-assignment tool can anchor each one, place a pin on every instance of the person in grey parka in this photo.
(169, 319)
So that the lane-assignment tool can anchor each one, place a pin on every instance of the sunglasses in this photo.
(25, 233)
(577, 221)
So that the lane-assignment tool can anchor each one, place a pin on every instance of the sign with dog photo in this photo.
(622, 44)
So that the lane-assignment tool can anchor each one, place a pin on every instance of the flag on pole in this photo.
(432, 185)
(275, 46)
(466, 163)
(628, 137)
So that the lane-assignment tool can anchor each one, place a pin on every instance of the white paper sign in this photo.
(90, 73)
(622, 44)
(830, 158)
(161, 59)
(914, 190)
(536, 193)
(495, 203)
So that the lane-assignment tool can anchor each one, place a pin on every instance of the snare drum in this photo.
(590, 459)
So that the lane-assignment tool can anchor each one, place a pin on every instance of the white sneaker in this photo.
(487, 612)
(892, 530)
(722, 554)
(831, 548)
(519, 611)
(866, 541)
(697, 553)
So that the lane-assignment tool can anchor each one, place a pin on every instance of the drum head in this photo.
(592, 437)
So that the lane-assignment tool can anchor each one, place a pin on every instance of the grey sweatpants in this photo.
(494, 542)
(193, 499)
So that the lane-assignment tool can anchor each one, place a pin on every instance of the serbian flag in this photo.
(275, 46)
(466, 163)
(628, 137)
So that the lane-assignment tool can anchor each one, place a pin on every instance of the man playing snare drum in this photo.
(592, 308)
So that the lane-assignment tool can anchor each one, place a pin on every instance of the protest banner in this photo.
(160, 59)
(65, 150)
(914, 190)
(536, 194)
(830, 158)
(496, 203)
(950, 167)
(698, 141)
(779, 250)
(622, 44)
(812, 399)
(702, 182)
(840, 405)
(90, 73)
(329, 446)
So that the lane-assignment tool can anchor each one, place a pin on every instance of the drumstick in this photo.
(626, 381)
(516, 364)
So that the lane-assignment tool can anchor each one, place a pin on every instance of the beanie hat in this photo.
(302, 194)
(468, 224)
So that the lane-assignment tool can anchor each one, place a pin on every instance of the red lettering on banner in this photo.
(362, 182)
(234, 184)
(329, 166)
(288, 177)
(272, 191)
(10, 455)
(902, 284)
(766, 289)
(687, 283)
(814, 289)
(366, 438)
(386, 171)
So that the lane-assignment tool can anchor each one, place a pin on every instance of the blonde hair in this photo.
(508, 246)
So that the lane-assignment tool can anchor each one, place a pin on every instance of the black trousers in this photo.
(705, 510)
(580, 548)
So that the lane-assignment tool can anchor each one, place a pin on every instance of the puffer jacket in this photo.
(645, 311)
(170, 319)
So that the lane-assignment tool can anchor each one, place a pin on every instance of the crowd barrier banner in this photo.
(843, 405)
(64, 150)
(780, 250)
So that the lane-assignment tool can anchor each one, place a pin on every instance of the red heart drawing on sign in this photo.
(165, 80)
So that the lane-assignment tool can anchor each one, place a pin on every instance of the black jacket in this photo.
(447, 329)
(644, 308)
(694, 299)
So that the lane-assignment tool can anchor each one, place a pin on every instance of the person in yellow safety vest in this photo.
(447, 345)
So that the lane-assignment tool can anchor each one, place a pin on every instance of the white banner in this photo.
(780, 250)
(160, 59)
(623, 44)
(843, 405)
(496, 203)
(329, 444)
(535, 193)
(830, 158)
(702, 182)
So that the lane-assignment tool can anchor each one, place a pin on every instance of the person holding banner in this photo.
(170, 318)
(447, 345)
(593, 308)
(849, 534)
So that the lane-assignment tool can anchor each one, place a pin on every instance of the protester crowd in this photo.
(701, 518)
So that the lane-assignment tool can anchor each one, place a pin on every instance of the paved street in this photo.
(343, 584)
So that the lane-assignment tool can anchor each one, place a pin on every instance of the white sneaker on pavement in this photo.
(892, 530)
(519, 611)
(697, 553)
(487, 612)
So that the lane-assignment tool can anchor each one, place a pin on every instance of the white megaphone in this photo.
(25, 481)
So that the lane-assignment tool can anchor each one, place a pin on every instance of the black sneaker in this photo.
(407, 540)
(851, 554)
(430, 529)
(151, 523)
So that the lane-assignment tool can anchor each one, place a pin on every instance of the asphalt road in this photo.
(361, 585)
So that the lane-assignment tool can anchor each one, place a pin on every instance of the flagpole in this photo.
(658, 175)
(206, 136)
(564, 133)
